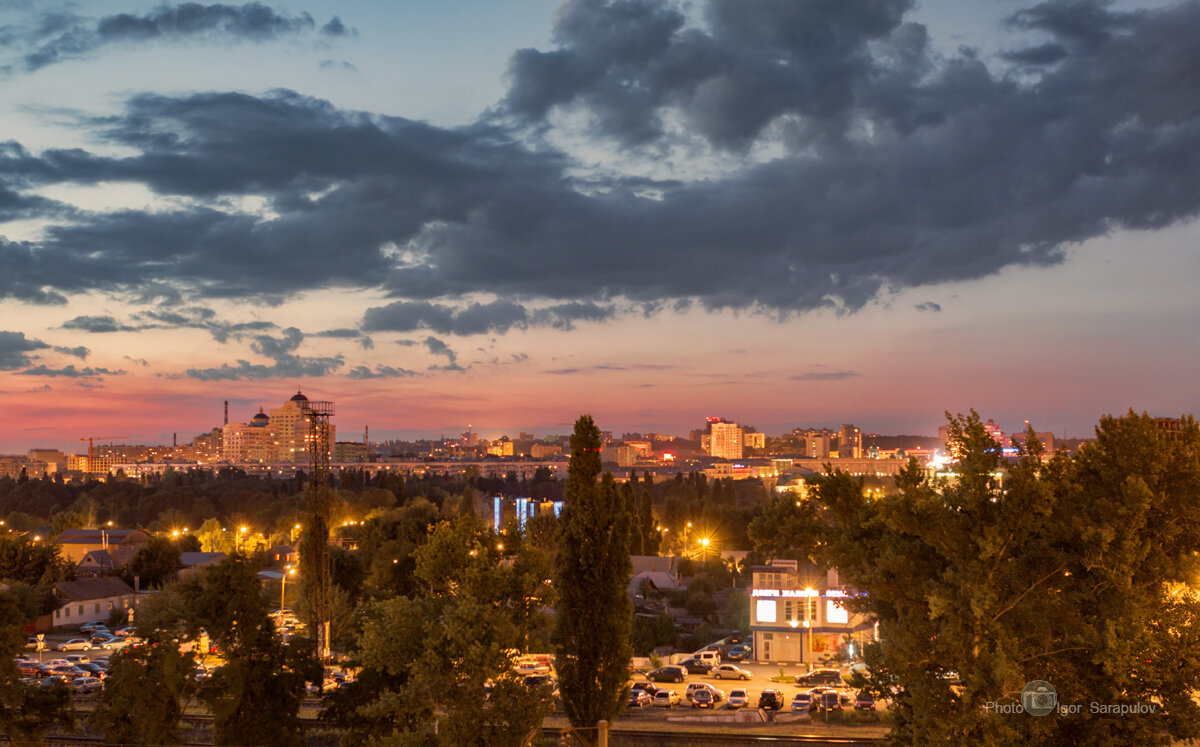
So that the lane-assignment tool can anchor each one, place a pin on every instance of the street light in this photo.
(289, 571)
(238, 539)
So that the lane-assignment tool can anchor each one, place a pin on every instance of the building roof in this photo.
(298, 397)
(92, 588)
(657, 579)
(92, 536)
(193, 559)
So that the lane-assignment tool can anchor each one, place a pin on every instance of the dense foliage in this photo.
(1075, 571)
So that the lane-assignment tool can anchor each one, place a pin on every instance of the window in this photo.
(81, 610)
(97, 607)
(836, 613)
(765, 611)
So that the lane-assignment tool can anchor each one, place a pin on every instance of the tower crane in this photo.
(90, 439)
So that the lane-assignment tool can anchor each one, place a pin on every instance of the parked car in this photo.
(31, 643)
(703, 699)
(531, 667)
(821, 678)
(711, 657)
(665, 698)
(639, 698)
(739, 652)
(93, 669)
(31, 669)
(116, 644)
(729, 672)
(829, 700)
(56, 680)
(695, 687)
(92, 627)
(803, 701)
(864, 701)
(86, 685)
(649, 687)
(668, 674)
(78, 658)
(771, 700)
(76, 644)
(69, 671)
(739, 698)
(124, 631)
(533, 680)
(695, 666)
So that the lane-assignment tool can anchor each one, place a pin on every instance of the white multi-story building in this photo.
(725, 440)
(247, 442)
(797, 614)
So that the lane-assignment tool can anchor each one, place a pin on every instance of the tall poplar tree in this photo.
(594, 613)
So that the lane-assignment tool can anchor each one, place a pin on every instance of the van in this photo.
(712, 658)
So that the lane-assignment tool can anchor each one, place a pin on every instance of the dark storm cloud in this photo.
(475, 319)
(60, 36)
(285, 363)
(71, 372)
(379, 372)
(627, 62)
(899, 168)
(79, 352)
(286, 367)
(15, 348)
(335, 27)
(439, 347)
(188, 317)
(98, 324)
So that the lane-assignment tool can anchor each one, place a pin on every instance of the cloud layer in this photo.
(894, 167)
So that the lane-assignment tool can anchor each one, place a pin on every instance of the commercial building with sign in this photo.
(797, 614)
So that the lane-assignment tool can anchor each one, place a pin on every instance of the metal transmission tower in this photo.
(317, 413)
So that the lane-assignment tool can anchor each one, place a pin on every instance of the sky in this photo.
(503, 215)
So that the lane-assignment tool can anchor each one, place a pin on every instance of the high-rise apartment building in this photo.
(282, 436)
(247, 442)
(726, 440)
(816, 446)
(850, 442)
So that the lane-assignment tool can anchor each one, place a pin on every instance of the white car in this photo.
(729, 672)
(739, 698)
(664, 698)
(115, 644)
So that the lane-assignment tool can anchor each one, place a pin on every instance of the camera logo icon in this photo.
(1039, 698)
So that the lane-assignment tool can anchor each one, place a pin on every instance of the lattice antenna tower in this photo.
(317, 413)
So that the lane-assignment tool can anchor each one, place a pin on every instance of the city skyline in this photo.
(808, 214)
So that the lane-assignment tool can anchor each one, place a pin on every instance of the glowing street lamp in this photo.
(288, 571)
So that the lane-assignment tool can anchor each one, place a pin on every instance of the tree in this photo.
(156, 562)
(427, 660)
(255, 697)
(144, 693)
(1074, 572)
(594, 612)
(26, 713)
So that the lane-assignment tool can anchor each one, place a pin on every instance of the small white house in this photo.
(91, 599)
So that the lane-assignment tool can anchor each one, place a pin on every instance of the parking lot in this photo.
(760, 679)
